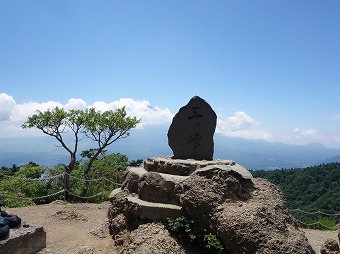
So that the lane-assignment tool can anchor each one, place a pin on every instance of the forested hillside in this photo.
(310, 189)
(315, 190)
(31, 184)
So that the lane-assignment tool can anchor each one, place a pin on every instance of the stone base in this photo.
(156, 211)
(248, 215)
(156, 182)
(182, 167)
(24, 240)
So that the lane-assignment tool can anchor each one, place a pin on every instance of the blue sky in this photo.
(270, 69)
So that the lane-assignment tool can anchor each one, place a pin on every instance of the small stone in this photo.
(81, 249)
(330, 247)
(190, 135)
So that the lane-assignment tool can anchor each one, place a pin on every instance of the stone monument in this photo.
(248, 215)
(190, 135)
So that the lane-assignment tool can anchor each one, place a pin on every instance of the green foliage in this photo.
(328, 222)
(136, 163)
(311, 189)
(186, 228)
(108, 166)
(103, 128)
(31, 181)
(126, 209)
(321, 223)
(106, 127)
(24, 183)
(213, 244)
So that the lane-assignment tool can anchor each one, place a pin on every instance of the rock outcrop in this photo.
(331, 246)
(248, 215)
(24, 240)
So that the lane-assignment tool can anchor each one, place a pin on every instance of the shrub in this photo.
(186, 228)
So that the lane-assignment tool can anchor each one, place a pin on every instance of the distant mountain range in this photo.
(152, 142)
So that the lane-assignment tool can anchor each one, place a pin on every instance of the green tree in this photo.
(24, 184)
(109, 166)
(311, 189)
(102, 127)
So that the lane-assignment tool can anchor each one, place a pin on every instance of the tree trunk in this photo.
(68, 170)
(87, 171)
(67, 184)
(86, 178)
(85, 186)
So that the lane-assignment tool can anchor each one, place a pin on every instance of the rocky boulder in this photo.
(248, 215)
(153, 238)
(330, 247)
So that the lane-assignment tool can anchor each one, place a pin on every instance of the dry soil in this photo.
(79, 228)
(82, 228)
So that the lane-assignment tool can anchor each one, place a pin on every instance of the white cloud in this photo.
(7, 104)
(241, 125)
(336, 117)
(14, 129)
(304, 132)
(22, 111)
(139, 109)
(13, 115)
(238, 125)
(306, 136)
(240, 121)
(75, 104)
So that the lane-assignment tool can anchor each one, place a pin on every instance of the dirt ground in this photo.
(318, 237)
(82, 228)
(71, 228)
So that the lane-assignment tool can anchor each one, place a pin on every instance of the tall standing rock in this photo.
(190, 135)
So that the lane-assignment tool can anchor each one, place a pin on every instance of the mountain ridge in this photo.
(152, 142)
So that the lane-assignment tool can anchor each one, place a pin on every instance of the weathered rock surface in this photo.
(24, 240)
(191, 132)
(330, 247)
(248, 215)
(153, 238)
(168, 165)
(81, 249)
